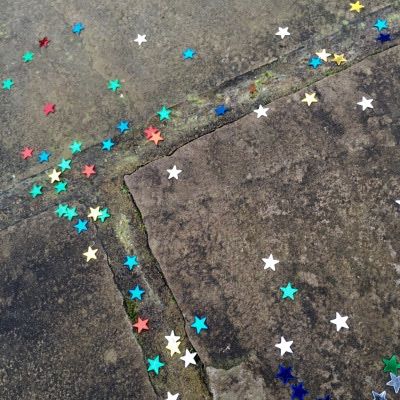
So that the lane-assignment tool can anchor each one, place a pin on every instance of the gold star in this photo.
(323, 55)
(54, 176)
(339, 59)
(94, 213)
(173, 347)
(90, 254)
(309, 99)
(357, 6)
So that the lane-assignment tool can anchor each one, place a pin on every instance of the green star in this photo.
(164, 113)
(75, 147)
(61, 186)
(71, 213)
(104, 214)
(288, 291)
(114, 85)
(7, 84)
(155, 364)
(28, 56)
(61, 210)
(65, 164)
(391, 364)
(36, 190)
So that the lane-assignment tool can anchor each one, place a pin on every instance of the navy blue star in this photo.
(298, 392)
(44, 156)
(285, 374)
(221, 110)
(123, 126)
(384, 37)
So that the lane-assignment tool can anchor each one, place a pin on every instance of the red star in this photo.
(49, 108)
(156, 137)
(26, 153)
(44, 42)
(141, 325)
(89, 170)
(150, 131)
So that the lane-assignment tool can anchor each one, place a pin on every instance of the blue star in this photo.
(136, 293)
(384, 37)
(44, 156)
(381, 396)
(221, 110)
(155, 364)
(199, 324)
(394, 382)
(189, 53)
(107, 144)
(123, 126)
(81, 225)
(298, 392)
(285, 374)
(315, 62)
(131, 262)
(78, 27)
(381, 24)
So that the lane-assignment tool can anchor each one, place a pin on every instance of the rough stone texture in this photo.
(315, 187)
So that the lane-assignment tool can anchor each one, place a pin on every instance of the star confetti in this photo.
(282, 32)
(94, 213)
(174, 172)
(314, 62)
(340, 322)
(366, 103)
(173, 343)
(188, 358)
(140, 39)
(309, 99)
(384, 37)
(164, 113)
(298, 392)
(155, 364)
(54, 176)
(394, 382)
(220, 110)
(270, 262)
(188, 53)
(123, 126)
(64, 165)
(391, 364)
(61, 186)
(26, 153)
(81, 225)
(141, 325)
(323, 55)
(357, 6)
(104, 214)
(61, 210)
(44, 156)
(36, 191)
(8, 84)
(171, 396)
(75, 147)
(339, 59)
(114, 85)
(150, 131)
(284, 374)
(381, 24)
(77, 28)
(156, 137)
(284, 346)
(199, 324)
(261, 111)
(44, 42)
(28, 57)
(89, 170)
(107, 144)
(71, 213)
(288, 291)
(49, 108)
(90, 254)
(136, 293)
(379, 396)
(131, 262)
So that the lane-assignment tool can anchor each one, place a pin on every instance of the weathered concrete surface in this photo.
(315, 186)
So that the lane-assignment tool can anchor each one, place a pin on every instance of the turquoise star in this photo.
(81, 225)
(78, 27)
(71, 213)
(164, 113)
(155, 364)
(189, 53)
(65, 164)
(8, 84)
(114, 85)
(104, 214)
(199, 324)
(131, 262)
(61, 210)
(75, 147)
(107, 144)
(36, 191)
(61, 186)
(28, 56)
(123, 126)
(44, 156)
(314, 62)
(381, 24)
(136, 293)
(288, 291)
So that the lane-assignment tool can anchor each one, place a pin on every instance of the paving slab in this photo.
(316, 187)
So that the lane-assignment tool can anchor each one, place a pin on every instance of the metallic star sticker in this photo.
(270, 262)
(282, 32)
(188, 358)
(140, 39)
(394, 382)
(323, 55)
(379, 396)
(261, 111)
(340, 322)
(54, 176)
(284, 346)
(90, 254)
(309, 99)
(174, 172)
(366, 103)
(339, 59)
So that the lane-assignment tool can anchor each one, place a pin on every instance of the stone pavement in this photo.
(65, 330)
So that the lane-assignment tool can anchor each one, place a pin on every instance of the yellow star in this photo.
(357, 6)
(54, 176)
(90, 254)
(323, 55)
(339, 59)
(94, 213)
(173, 347)
(309, 99)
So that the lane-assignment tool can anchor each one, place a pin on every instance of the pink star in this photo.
(49, 108)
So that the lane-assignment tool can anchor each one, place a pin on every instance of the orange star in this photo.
(26, 153)
(89, 170)
(49, 108)
(141, 325)
(150, 131)
(156, 137)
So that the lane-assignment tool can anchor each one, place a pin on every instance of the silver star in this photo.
(378, 396)
(394, 382)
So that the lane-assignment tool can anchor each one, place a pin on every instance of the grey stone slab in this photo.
(315, 186)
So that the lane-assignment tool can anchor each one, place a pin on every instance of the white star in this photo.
(189, 358)
(397, 201)
(172, 396)
(172, 337)
(173, 343)
(270, 262)
(364, 103)
(174, 172)
(140, 39)
(282, 32)
(284, 346)
(323, 55)
(340, 322)
(90, 254)
(261, 111)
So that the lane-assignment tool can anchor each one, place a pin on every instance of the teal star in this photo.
(188, 53)
(114, 85)
(199, 324)
(164, 113)
(381, 24)
(36, 191)
(155, 364)
(104, 214)
(28, 56)
(131, 262)
(65, 164)
(61, 210)
(288, 291)
(136, 293)
(81, 225)
(107, 144)
(8, 84)
(61, 186)
(71, 213)
(75, 147)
